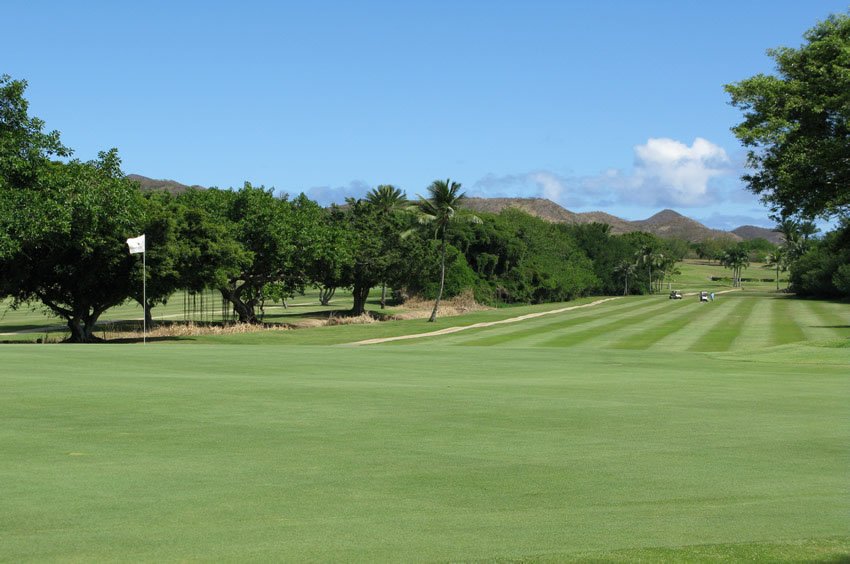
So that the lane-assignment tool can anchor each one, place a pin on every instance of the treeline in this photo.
(64, 247)
(64, 223)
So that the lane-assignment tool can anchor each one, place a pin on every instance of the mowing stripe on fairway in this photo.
(456, 329)
(708, 314)
(834, 317)
(803, 312)
(601, 332)
(654, 335)
(755, 334)
(724, 332)
(501, 335)
(784, 329)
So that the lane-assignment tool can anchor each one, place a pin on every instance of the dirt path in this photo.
(449, 330)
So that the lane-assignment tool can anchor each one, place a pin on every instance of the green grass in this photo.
(406, 452)
(697, 275)
(641, 429)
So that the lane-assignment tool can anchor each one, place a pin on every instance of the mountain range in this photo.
(666, 223)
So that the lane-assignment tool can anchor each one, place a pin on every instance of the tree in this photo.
(776, 260)
(25, 157)
(163, 253)
(70, 253)
(387, 200)
(736, 259)
(24, 147)
(796, 125)
(276, 239)
(370, 256)
(333, 256)
(824, 269)
(440, 208)
(649, 256)
(625, 270)
(209, 254)
(668, 267)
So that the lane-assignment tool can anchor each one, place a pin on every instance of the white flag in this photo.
(136, 244)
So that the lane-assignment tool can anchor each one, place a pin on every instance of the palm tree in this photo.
(648, 256)
(736, 259)
(776, 259)
(441, 208)
(807, 230)
(795, 243)
(659, 261)
(387, 200)
(670, 271)
(625, 269)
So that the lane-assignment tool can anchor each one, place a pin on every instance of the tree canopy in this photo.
(796, 125)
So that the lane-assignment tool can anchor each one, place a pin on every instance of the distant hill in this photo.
(618, 225)
(538, 207)
(666, 223)
(749, 232)
(150, 185)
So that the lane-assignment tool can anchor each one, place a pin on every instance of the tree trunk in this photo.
(82, 328)
(244, 310)
(325, 295)
(148, 315)
(383, 295)
(360, 294)
(433, 317)
(650, 280)
(78, 334)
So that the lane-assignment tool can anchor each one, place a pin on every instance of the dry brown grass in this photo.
(417, 308)
(189, 329)
(361, 319)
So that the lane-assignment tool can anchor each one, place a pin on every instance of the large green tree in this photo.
(274, 241)
(69, 232)
(796, 125)
(333, 257)
(164, 248)
(26, 151)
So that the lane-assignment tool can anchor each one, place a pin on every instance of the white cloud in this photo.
(669, 172)
(327, 195)
(666, 173)
(550, 185)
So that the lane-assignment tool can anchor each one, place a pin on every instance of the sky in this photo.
(610, 105)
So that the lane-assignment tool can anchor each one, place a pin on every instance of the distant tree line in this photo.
(64, 223)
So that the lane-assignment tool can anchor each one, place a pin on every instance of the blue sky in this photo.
(607, 105)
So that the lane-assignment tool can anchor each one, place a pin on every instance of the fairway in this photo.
(736, 321)
(638, 429)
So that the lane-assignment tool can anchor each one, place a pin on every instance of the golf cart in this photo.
(703, 296)
(675, 295)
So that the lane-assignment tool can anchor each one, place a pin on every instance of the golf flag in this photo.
(136, 244)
